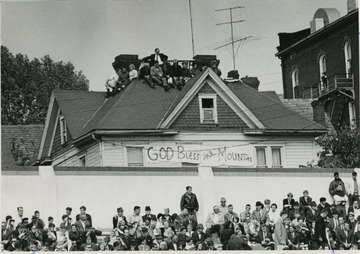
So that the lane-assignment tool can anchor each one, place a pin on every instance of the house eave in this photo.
(284, 132)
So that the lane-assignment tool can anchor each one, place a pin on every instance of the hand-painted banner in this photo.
(205, 156)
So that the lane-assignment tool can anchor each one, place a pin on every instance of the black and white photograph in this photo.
(180, 125)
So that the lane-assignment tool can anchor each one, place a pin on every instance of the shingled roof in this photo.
(140, 107)
(19, 144)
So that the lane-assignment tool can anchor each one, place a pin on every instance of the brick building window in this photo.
(295, 83)
(135, 156)
(63, 130)
(347, 52)
(208, 108)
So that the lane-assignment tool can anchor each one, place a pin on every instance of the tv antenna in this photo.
(232, 30)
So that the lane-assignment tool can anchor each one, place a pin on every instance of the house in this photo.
(209, 123)
(322, 63)
(20, 144)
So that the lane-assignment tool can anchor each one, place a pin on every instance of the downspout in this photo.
(100, 148)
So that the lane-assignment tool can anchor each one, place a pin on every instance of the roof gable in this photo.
(220, 88)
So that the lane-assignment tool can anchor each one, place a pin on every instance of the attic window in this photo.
(208, 108)
(63, 130)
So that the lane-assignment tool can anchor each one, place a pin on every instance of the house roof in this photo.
(139, 107)
(19, 144)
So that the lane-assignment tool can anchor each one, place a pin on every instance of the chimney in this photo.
(316, 24)
(318, 112)
(234, 74)
(352, 5)
(253, 82)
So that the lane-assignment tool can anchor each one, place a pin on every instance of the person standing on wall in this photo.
(189, 201)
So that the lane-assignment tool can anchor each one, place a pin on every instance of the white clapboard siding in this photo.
(93, 157)
(113, 154)
(299, 153)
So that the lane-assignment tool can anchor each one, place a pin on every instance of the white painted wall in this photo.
(102, 192)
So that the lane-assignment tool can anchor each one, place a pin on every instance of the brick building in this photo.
(322, 63)
(209, 123)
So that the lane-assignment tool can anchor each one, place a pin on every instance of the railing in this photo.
(329, 84)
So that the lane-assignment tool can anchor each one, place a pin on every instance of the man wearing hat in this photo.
(320, 225)
(119, 217)
(148, 216)
(259, 214)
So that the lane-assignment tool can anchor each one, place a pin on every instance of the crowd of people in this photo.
(298, 225)
(157, 70)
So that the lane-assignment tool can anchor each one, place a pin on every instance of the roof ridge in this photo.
(129, 87)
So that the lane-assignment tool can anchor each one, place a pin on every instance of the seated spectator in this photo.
(176, 72)
(145, 74)
(189, 244)
(126, 239)
(288, 203)
(223, 207)
(345, 237)
(352, 221)
(66, 221)
(134, 218)
(175, 223)
(119, 217)
(251, 228)
(355, 208)
(334, 221)
(259, 214)
(227, 232)
(273, 216)
(157, 76)
(311, 214)
(357, 234)
(305, 201)
(133, 74)
(246, 213)
(267, 206)
(148, 215)
(245, 240)
(62, 239)
(185, 72)
(112, 84)
(215, 220)
(182, 237)
(82, 223)
(50, 220)
(83, 212)
(292, 238)
(167, 73)
(124, 78)
(215, 67)
(163, 246)
(166, 229)
(157, 57)
(74, 237)
(231, 215)
(68, 211)
(194, 70)
(143, 246)
(183, 216)
(265, 238)
(174, 244)
(37, 221)
(296, 210)
(323, 205)
(198, 236)
(208, 244)
(35, 234)
(190, 230)
(235, 243)
(337, 191)
(49, 237)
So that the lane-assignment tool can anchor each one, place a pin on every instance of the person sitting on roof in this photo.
(145, 73)
(160, 57)
(177, 75)
(167, 72)
(133, 74)
(157, 76)
(124, 78)
(215, 67)
(185, 72)
(194, 70)
(111, 84)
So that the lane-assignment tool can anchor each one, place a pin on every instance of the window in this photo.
(295, 83)
(135, 156)
(352, 115)
(276, 157)
(261, 156)
(208, 108)
(82, 161)
(323, 76)
(347, 51)
(269, 156)
(63, 130)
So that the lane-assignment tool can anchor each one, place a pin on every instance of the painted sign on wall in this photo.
(205, 156)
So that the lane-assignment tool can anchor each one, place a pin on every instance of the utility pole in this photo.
(192, 32)
(232, 29)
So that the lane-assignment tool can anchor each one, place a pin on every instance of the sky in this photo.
(90, 33)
